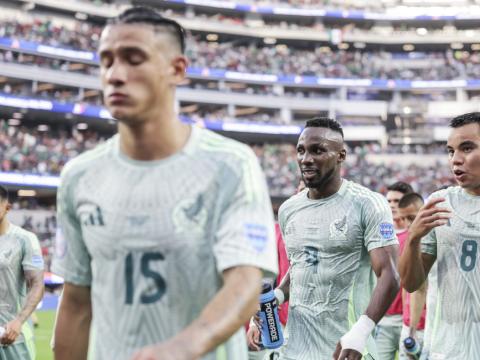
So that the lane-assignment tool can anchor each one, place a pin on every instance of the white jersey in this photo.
(19, 252)
(455, 333)
(152, 238)
(331, 276)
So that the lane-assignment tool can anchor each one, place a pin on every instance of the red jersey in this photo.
(283, 266)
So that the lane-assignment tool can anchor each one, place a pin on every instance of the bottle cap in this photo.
(409, 342)
(266, 287)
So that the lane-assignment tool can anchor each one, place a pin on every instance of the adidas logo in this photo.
(90, 215)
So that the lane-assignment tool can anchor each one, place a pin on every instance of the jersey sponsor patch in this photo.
(257, 235)
(37, 260)
(60, 244)
(386, 230)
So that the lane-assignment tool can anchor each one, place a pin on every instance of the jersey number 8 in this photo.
(469, 255)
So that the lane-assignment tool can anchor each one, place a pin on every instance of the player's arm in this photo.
(417, 303)
(34, 280)
(414, 265)
(73, 323)
(231, 307)
(383, 260)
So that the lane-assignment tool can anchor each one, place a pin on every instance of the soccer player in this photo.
(21, 285)
(389, 329)
(414, 310)
(166, 230)
(340, 242)
(394, 193)
(447, 231)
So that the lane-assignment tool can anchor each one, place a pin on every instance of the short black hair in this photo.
(409, 199)
(465, 119)
(325, 122)
(3, 193)
(401, 186)
(147, 15)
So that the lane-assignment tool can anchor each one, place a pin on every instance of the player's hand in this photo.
(253, 338)
(12, 330)
(346, 354)
(164, 351)
(429, 217)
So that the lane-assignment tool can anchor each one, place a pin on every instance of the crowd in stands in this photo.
(41, 152)
(28, 150)
(320, 61)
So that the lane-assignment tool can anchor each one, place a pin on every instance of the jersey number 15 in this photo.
(145, 261)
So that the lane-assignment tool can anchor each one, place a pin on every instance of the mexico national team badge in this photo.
(338, 229)
(386, 230)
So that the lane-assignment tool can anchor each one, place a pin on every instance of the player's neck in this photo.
(473, 191)
(4, 225)
(153, 140)
(327, 190)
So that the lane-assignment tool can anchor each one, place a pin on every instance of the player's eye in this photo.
(106, 61)
(135, 59)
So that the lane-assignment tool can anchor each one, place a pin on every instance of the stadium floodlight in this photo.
(475, 47)
(422, 31)
(212, 37)
(456, 45)
(81, 16)
(408, 47)
(26, 193)
(270, 40)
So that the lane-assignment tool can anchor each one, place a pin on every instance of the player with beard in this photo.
(342, 249)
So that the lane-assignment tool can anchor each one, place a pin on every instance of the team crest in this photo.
(338, 229)
(190, 214)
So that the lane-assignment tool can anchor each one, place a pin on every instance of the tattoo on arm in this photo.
(35, 289)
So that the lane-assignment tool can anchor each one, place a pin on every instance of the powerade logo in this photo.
(386, 230)
(272, 326)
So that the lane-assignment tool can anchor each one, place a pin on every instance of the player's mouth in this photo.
(309, 173)
(459, 175)
(117, 98)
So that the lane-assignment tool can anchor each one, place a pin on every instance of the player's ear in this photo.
(179, 68)
(342, 155)
(9, 206)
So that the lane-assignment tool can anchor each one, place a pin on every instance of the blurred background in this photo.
(393, 72)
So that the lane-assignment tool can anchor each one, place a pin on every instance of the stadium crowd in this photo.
(46, 152)
(254, 58)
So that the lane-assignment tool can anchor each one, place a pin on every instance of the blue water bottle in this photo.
(271, 331)
(412, 348)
